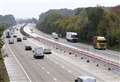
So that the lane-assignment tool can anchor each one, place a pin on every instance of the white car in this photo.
(47, 51)
(85, 79)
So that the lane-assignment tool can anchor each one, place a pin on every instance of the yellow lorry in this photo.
(99, 42)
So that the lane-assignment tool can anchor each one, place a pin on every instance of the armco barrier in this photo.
(111, 65)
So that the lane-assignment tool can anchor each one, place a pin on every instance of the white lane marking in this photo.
(69, 71)
(48, 72)
(43, 68)
(56, 62)
(54, 79)
(63, 67)
(19, 63)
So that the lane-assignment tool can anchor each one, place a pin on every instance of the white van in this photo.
(72, 36)
(38, 52)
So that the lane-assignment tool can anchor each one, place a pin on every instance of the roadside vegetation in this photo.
(5, 22)
(87, 22)
(3, 72)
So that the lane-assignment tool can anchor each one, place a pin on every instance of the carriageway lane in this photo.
(15, 71)
(70, 68)
(81, 67)
(35, 68)
(31, 69)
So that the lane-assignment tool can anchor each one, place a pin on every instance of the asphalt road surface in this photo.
(56, 67)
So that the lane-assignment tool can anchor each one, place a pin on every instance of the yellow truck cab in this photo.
(99, 42)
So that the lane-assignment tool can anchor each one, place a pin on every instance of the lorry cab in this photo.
(99, 42)
(85, 79)
(38, 52)
(72, 36)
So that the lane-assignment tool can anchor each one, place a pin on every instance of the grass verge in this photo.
(3, 72)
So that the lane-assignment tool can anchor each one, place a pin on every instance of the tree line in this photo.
(87, 22)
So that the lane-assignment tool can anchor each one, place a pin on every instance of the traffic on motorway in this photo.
(47, 60)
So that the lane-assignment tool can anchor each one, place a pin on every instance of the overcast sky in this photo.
(33, 8)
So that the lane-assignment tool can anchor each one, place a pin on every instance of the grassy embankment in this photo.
(3, 72)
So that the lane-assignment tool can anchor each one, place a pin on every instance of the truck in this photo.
(85, 79)
(55, 35)
(38, 52)
(72, 36)
(8, 34)
(99, 42)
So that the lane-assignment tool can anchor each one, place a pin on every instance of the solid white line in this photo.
(43, 68)
(19, 63)
(54, 79)
(69, 71)
(56, 62)
(48, 72)
(63, 67)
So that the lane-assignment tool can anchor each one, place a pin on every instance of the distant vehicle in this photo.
(72, 36)
(14, 36)
(11, 41)
(99, 42)
(55, 35)
(16, 29)
(8, 34)
(24, 38)
(85, 79)
(19, 40)
(27, 47)
(47, 51)
(38, 52)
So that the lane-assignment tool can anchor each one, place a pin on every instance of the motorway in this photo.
(57, 67)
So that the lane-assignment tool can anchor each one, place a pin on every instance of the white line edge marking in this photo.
(69, 71)
(43, 68)
(19, 63)
(48, 72)
(63, 67)
(54, 79)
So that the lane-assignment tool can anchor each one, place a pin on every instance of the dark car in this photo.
(19, 40)
(24, 38)
(14, 36)
(11, 41)
(28, 47)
